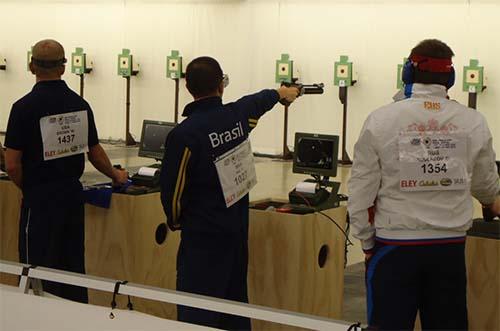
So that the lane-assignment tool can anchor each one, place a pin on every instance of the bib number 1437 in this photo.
(66, 139)
(64, 135)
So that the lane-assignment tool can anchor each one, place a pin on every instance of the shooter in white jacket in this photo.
(417, 164)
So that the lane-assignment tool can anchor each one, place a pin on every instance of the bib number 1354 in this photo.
(433, 161)
(434, 168)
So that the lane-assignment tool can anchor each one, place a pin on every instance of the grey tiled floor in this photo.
(354, 293)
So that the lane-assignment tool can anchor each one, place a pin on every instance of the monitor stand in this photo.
(323, 198)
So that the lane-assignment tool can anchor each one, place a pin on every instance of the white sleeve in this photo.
(364, 185)
(485, 185)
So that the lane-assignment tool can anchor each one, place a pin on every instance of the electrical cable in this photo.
(347, 230)
(345, 233)
(348, 241)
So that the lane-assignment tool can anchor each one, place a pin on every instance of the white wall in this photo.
(247, 37)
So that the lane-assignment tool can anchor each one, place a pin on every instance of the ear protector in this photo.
(429, 64)
(48, 64)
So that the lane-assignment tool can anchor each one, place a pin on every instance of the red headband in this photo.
(432, 64)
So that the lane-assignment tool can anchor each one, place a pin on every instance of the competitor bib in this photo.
(433, 161)
(64, 135)
(236, 170)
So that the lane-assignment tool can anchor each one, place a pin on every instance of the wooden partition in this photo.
(120, 244)
(284, 249)
(483, 277)
(10, 206)
(297, 263)
(284, 270)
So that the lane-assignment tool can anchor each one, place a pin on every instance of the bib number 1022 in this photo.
(238, 180)
(434, 168)
(67, 139)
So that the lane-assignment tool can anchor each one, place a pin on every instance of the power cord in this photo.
(348, 242)
(345, 233)
(347, 230)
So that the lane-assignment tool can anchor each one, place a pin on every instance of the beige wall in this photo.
(247, 37)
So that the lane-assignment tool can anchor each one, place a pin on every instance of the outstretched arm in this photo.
(256, 105)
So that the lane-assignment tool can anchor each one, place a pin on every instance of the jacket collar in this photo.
(49, 83)
(205, 104)
(428, 90)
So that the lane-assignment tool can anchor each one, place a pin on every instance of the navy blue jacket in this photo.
(55, 177)
(191, 193)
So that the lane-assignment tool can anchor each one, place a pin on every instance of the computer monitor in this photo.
(153, 136)
(316, 154)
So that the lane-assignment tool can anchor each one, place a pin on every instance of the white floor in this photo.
(22, 312)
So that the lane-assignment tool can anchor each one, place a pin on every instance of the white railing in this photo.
(29, 274)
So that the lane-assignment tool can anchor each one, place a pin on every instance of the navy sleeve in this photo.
(175, 177)
(93, 138)
(255, 105)
(17, 130)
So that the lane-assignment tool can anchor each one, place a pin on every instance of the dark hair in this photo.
(433, 48)
(436, 49)
(203, 76)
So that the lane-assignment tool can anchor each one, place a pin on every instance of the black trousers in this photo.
(216, 266)
(402, 280)
(53, 235)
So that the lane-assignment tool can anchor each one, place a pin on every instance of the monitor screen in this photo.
(154, 134)
(316, 154)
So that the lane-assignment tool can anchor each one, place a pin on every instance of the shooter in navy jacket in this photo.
(213, 253)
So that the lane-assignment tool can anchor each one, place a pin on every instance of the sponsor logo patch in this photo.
(446, 182)
(433, 106)
(416, 141)
(427, 183)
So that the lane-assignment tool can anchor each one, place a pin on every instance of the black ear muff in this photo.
(451, 81)
(48, 64)
(408, 75)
